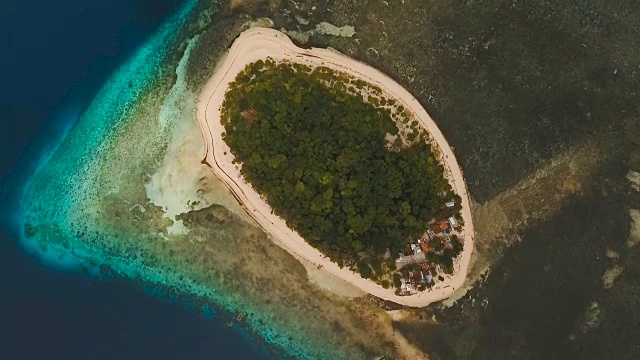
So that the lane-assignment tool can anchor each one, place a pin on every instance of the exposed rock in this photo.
(610, 276)
(612, 255)
(323, 28)
(261, 22)
(634, 231)
(592, 318)
(302, 20)
(634, 179)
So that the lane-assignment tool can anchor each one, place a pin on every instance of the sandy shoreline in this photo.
(259, 43)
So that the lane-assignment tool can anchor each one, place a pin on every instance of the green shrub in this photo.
(396, 280)
(365, 270)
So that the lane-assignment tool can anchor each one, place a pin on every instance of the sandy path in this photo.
(260, 43)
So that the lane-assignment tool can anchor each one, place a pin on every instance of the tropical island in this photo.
(337, 169)
(340, 170)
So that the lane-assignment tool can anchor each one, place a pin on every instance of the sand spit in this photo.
(260, 43)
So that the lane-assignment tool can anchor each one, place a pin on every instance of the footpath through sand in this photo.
(259, 43)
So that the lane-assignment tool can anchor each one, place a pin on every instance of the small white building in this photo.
(450, 204)
(429, 278)
(453, 222)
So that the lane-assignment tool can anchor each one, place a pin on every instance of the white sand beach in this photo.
(260, 43)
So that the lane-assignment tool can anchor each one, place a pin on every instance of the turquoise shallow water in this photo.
(51, 185)
(60, 182)
(84, 208)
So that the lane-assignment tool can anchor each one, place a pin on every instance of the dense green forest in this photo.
(319, 156)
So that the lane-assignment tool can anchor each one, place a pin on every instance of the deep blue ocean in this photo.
(54, 57)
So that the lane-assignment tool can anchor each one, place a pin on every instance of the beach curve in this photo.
(259, 43)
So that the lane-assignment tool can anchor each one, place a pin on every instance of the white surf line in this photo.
(259, 43)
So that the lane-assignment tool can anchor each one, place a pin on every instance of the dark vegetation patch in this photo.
(319, 157)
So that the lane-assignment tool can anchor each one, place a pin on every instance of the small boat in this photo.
(240, 316)
(228, 324)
